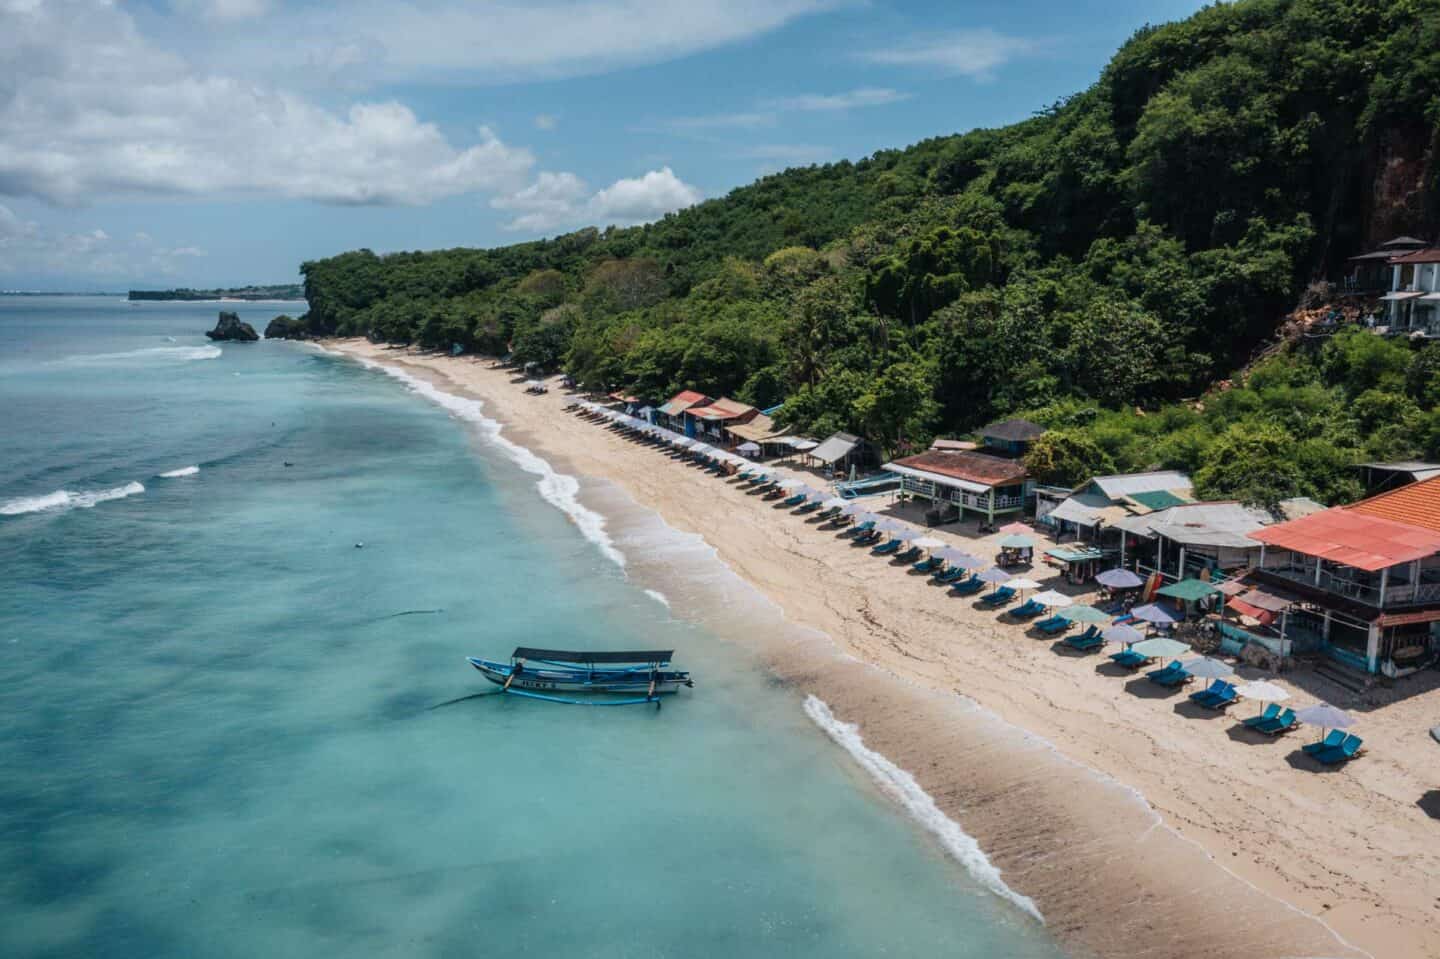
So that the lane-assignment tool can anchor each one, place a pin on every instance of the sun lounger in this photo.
(809, 507)
(1171, 675)
(1000, 597)
(862, 528)
(1217, 695)
(1027, 609)
(952, 575)
(1051, 625)
(1345, 752)
(828, 514)
(1268, 713)
(1282, 723)
(869, 537)
(931, 565)
(1086, 641)
(910, 555)
(968, 587)
(1129, 659)
(795, 500)
(1331, 741)
(885, 549)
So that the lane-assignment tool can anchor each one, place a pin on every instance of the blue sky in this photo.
(211, 142)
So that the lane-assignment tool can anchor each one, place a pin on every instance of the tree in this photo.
(1067, 458)
(1254, 464)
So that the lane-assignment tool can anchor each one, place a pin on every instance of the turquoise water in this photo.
(229, 732)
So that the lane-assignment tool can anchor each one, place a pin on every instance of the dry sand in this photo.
(1240, 847)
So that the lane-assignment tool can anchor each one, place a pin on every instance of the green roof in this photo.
(1158, 499)
(1188, 590)
(1068, 555)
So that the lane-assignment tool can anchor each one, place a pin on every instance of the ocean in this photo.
(239, 584)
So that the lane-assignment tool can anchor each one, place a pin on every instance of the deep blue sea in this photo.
(230, 732)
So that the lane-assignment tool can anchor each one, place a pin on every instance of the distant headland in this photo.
(279, 291)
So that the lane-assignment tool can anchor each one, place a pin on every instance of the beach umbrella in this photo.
(1161, 647)
(1119, 579)
(961, 559)
(702, 449)
(1325, 716)
(851, 507)
(890, 526)
(836, 502)
(1017, 541)
(791, 483)
(906, 534)
(994, 575)
(1051, 598)
(1122, 635)
(1207, 668)
(1263, 692)
(1084, 614)
(749, 447)
(1020, 528)
(1151, 613)
(809, 492)
(927, 542)
(1021, 582)
(684, 442)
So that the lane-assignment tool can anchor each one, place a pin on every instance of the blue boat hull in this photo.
(552, 679)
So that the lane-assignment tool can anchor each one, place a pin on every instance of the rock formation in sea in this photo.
(229, 327)
(285, 327)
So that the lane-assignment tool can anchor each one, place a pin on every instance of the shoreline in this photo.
(1133, 827)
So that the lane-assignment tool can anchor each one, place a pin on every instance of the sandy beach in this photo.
(1240, 847)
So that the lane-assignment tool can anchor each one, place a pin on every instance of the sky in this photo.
(161, 143)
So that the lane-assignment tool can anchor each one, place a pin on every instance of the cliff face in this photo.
(1403, 177)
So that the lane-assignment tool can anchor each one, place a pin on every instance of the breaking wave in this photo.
(902, 787)
(559, 489)
(163, 354)
(182, 471)
(66, 499)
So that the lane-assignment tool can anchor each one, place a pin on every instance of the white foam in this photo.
(559, 489)
(66, 499)
(902, 787)
(182, 471)
(658, 596)
(163, 354)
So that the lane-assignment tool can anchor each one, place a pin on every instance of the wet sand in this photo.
(1139, 826)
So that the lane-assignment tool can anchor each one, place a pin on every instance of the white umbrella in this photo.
(1263, 692)
(994, 575)
(1325, 716)
(1021, 582)
(905, 534)
(834, 502)
(851, 508)
(1050, 598)
(791, 483)
(682, 441)
(1122, 635)
(1207, 668)
(927, 542)
(749, 447)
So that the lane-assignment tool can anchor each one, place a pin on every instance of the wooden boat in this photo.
(546, 673)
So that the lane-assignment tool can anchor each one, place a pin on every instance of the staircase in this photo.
(1346, 677)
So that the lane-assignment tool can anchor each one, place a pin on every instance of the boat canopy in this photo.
(593, 658)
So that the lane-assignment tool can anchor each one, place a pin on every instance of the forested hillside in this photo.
(1094, 265)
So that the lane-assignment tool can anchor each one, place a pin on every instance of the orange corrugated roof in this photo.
(1417, 504)
(1343, 535)
(722, 409)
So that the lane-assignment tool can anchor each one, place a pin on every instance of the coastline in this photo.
(1135, 829)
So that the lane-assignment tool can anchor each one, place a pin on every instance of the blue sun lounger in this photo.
(968, 587)
(931, 565)
(885, 549)
(952, 575)
(1052, 625)
(910, 555)
(861, 529)
(1217, 695)
(1027, 609)
(1000, 597)
(1282, 723)
(1129, 659)
(1171, 675)
(1266, 715)
(795, 500)
(1086, 641)
(1331, 741)
(1345, 752)
(869, 538)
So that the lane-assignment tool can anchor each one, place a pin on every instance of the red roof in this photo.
(682, 401)
(1431, 255)
(1417, 504)
(1354, 538)
(723, 409)
(968, 465)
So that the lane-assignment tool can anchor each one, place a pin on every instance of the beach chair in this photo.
(809, 507)
(828, 515)
(931, 565)
(861, 529)
(1282, 723)
(795, 500)
(1086, 641)
(1345, 752)
(1270, 711)
(1053, 625)
(910, 555)
(1027, 610)
(1217, 695)
(952, 575)
(885, 549)
(998, 598)
(1169, 676)
(1129, 659)
(1331, 741)
(869, 538)
(969, 587)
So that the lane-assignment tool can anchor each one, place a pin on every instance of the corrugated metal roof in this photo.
(1158, 499)
(1431, 255)
(1128, 484)
(1013, 430)
(954, 482)
(1084, 509)
(758, 430)
(1415, 505)
(1201, 524)
(723, 409)
(980, 468)
(836, 447)
(1354, 538)
(682, 401)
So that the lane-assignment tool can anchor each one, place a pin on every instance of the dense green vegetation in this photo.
(277, 291)
(1120, 251)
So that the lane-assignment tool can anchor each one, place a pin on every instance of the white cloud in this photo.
(224, 10)
(29, 250)
(89, 107)
(972, 53)
(863, 97)
(561, 200)
(546, 121)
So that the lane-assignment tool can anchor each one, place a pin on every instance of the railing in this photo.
(1228, 630)
(1423, 593)
(1330, 583)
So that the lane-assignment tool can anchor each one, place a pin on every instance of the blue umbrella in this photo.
(994, 575)
(1119, 579)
